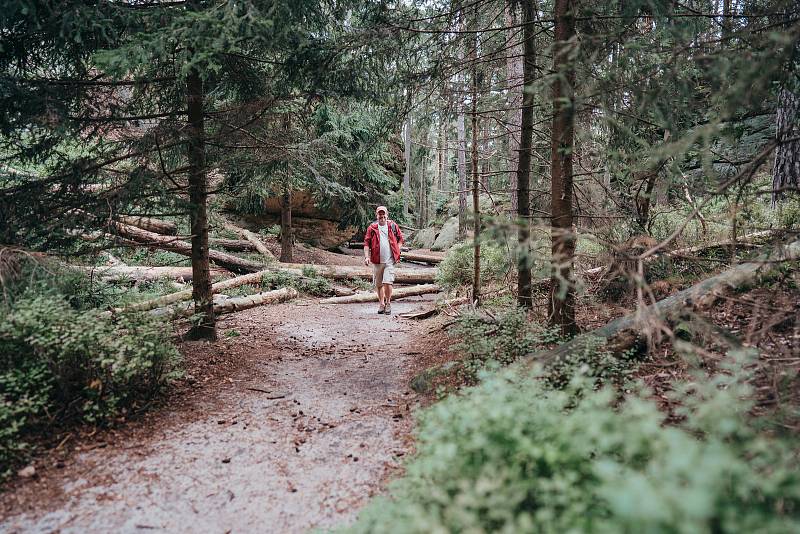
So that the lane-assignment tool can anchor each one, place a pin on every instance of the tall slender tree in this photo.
(562, 290)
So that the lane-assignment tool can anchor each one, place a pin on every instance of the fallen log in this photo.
(142, 274)
(399, 293)
(186, 294)
(151, 239)
(233, 245)
(230, 305)
(252, 238)
(344, 272)
(151, 225)
(421, 257)
(624, 333)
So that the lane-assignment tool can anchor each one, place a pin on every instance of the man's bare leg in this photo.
(387, 293)
(379, 290)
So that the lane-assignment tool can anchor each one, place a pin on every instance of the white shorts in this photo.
(382, 273)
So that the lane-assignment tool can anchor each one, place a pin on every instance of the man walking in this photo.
(382, 248)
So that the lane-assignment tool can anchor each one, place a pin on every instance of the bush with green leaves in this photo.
(62, 361)
(487, 343)
(456, 269)
(513, 455)
(309, 282)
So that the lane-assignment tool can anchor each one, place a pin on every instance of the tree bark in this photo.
(151, 225)
(407, 159)
(344, 272)
(399, 293)
(514, 86)
(143, 237)
(143, 273)
(233, 304)
(251, 237)
(444, 152)
(462, 171)
(786, 172)
(287, 240)
(233, 245)
(205, 327)
(476, 210)
(524, 287)
(562, 290)
(422, 258)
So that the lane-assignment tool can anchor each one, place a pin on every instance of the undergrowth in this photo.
(516, 455)
(63, 361)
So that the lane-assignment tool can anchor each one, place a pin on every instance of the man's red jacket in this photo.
(372, 239)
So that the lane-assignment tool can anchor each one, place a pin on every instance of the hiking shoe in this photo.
(388, 309)
(381, 309)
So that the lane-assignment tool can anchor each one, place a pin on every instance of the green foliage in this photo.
(70, 364)
(486, 344)
(457, 267)
(512, 455)
(309, 282)
(63, 360)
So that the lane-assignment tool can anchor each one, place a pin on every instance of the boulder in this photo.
(447, 236)
(425, 238)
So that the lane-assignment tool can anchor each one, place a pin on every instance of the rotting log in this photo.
(151, 225)
(421, 257)
(142, 273)
(344, 272)
(230, 305)
(251, 237)
(233, 245)
(151, 239)
(624, 333)
(399, 293)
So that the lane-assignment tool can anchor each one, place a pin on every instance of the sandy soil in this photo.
(291, 421)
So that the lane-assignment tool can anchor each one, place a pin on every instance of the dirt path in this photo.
(309, 423)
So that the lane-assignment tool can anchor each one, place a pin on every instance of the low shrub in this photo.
(498, 342)
(62, 361)
(309, 282)
(457, 267)
(513, 455)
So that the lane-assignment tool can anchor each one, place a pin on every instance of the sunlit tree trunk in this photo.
(562, 290)
(205, 327)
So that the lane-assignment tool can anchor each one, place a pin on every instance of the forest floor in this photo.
(291, 421)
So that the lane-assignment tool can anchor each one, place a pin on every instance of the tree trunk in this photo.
(407, 159)
(462, 171)
(287, 240)
(523, 170)
(625, 332)
(411, 291)
(562, 290)
(205, 327)
(151, 225)
(137, 273)
(250, 237)
(233, 304)
(444, 153)
(786, 172)
(476, 210)
(233, 245)
(422, 257)
(143, 237)
(514, 95)
(344, 272)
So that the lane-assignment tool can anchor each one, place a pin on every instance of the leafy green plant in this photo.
(309, 282)
(457, 267)
(513, 455)
(62, 361)
(489, 343)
